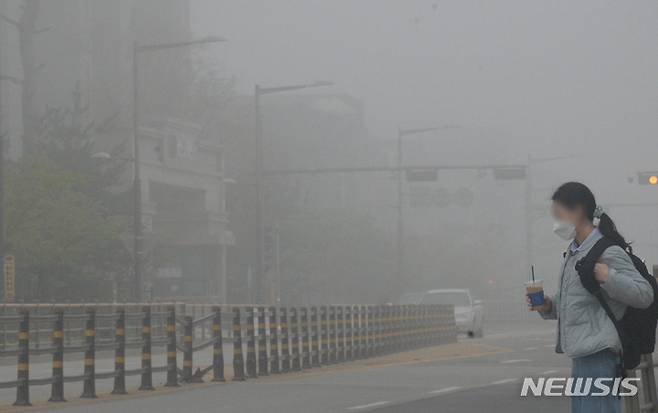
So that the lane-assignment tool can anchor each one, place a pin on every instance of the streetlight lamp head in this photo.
(101, 155)
(214, 39)
(323, 83)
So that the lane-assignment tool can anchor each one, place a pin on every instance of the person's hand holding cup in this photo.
(535, 296)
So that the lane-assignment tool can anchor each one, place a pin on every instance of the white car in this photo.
(469, 315)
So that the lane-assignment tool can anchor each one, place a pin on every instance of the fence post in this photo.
(324, 332)
(294, 340)
(120, 353)
(380, 330)
(23, 370)
(364, 333)
(57, 387)
(285, 349)
(147, 373)
(172, 350)
(315, 349)
(340, 334)
(388, 328)
(408, 324)
(356, 354)
(238, 360)
(370, 331)
(332, 334)
(306, 342)
(188, 330)
(274, 342)
(648, 382)
(262, 343)
(348, 330)
(217, 347)
(89, 386)
(251, 344)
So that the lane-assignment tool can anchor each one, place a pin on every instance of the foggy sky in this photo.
(541, 77)
(536, 74)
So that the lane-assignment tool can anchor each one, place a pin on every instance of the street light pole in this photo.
(260, 220)
(399, 256)
(138, 234)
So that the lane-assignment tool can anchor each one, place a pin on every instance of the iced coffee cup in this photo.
(535, 292)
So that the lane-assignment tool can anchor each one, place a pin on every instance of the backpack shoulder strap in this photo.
(596, 251)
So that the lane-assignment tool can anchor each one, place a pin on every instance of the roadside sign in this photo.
(10, 278)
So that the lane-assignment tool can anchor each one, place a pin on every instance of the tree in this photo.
(64, 240)
(64, 218)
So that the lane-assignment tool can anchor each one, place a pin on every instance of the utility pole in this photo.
(399, 239)
(138, 235)
(260, 215)
(3, 136)
(529, 208)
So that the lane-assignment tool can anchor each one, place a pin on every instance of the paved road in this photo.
(479, 375)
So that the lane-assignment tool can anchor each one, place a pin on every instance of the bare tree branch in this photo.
(11, 21)
(13, 79)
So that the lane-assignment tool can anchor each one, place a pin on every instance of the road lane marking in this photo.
(445, 390)
(365, 406)
(549, 345)
(503, 381)
(515, 361)
(530, 348)
(548, 372)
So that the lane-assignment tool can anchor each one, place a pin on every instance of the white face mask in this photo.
(564, 230)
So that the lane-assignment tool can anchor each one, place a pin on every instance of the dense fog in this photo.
(293, 191)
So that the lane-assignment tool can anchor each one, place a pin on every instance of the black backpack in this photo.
(637, 327)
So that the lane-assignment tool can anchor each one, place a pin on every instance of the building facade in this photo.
(81, 53)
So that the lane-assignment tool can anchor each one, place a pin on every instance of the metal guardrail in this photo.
(646, 400)
(278, 339)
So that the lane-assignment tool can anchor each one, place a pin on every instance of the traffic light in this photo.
(647, 178)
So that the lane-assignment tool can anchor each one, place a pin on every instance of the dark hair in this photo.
(575, 194)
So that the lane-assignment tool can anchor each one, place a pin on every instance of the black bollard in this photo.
(315, 336)
(23, 367)
(363, 334)
(251, 345)
(238, 360)
(285, 342)
(347, 328)
(188, 349)
(89, 385)
(306, 342)
(324, 343)
(57, 386)
(274, 342)
(356, 329)
(120, 353)
(340, 334)
(172, 364)
(147, 373)
(332, 334)
(263, 362)
(217, 347)
(294, 339)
